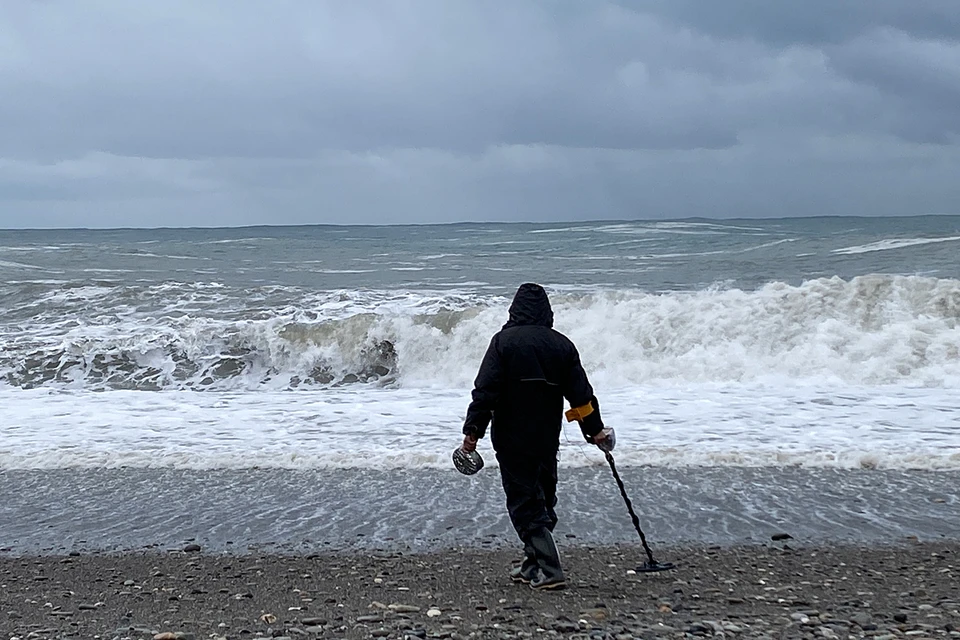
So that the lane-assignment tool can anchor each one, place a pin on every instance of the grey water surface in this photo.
(305, 511)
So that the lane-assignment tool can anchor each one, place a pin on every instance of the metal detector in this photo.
(651, 565)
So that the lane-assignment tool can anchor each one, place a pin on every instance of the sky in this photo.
(241, 112)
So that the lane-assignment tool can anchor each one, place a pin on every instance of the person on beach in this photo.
(527, 371)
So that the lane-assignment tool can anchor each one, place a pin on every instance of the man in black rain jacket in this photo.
(527, 371)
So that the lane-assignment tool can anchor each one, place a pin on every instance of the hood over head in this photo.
(530, 307)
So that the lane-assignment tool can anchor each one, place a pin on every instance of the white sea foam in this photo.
(892, 330)
(145, 254)
(765, 245)
(20, 265)
(893, 243)
(695, 425)
(344, 270)
(827, 374)
(565, 229)
(238, 240)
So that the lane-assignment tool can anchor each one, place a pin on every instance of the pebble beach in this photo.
(908, 589)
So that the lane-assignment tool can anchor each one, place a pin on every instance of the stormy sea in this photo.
(299, 388)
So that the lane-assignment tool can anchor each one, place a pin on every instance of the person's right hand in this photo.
(469, 443)
(606, 440)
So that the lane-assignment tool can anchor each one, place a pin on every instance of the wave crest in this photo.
(874, 329)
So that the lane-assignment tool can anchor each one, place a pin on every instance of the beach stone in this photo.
(860, 619)
(313, 622)
(191, 548)
(713, 625)
(661, 629)
(143, 630)
(900, 617)
(404, 608)
(565, 626)
(370, 618)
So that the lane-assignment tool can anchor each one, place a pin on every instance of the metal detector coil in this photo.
(467, 462)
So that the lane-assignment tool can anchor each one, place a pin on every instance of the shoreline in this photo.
(909, 588)
(282, 511)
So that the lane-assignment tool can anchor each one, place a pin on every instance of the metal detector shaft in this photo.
(633, 515)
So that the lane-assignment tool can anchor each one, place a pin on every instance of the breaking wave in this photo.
(873, 329)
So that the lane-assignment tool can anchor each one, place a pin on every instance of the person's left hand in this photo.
(469, 443)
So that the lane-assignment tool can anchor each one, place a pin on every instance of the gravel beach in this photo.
(777, 590)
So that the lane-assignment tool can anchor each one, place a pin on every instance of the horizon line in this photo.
(472, 222)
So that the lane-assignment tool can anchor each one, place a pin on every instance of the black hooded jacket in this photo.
(528, 370)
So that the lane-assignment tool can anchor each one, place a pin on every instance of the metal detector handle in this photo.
(633, 515)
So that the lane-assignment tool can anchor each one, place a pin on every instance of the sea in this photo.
(297, 389)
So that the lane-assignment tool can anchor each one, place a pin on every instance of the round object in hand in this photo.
(467, 463)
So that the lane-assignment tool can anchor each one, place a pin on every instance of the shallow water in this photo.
(299, 511)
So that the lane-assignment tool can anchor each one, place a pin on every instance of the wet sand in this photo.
(772, 590)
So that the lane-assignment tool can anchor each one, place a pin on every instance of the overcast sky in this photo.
(204, 113)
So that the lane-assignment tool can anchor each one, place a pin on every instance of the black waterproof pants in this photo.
(530, 483)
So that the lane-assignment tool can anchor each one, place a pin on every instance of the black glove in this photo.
(606, 440)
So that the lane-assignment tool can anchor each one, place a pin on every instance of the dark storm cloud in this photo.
(464, 78)
(918, 79)
(299, 111)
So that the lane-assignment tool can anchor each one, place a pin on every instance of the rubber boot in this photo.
(550, 575)
(528, 569)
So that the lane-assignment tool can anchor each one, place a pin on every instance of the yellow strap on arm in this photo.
(579, 413)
